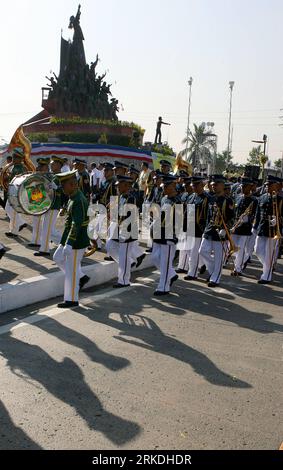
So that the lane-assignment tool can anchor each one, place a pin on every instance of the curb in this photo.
(21, 293)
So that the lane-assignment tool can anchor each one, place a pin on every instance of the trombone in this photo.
(221, 222)
(275, 217)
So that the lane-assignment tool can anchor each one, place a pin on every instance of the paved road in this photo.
(201, 369)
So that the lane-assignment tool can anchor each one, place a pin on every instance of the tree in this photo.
(278, 164)
(254, 155)
(223, 162)
(201, 146)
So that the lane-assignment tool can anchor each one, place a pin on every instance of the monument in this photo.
(78, 104)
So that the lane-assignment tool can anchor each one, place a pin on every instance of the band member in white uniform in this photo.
(42, 167)
(268, 226)
(245, 209)
(184, 250)
(200, 200)
(213, 247)
(17, 223)
(121, 245)
(164, 244)
(49, 232)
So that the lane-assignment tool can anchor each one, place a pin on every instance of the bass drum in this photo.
(31, 194)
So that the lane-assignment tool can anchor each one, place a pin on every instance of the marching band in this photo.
(229, 223)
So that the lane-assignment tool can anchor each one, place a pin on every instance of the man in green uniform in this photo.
(70, 252)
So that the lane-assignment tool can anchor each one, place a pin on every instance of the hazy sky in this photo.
(151, 48)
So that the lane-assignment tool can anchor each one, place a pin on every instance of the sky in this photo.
(150, 49)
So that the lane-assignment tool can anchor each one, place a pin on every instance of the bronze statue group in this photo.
(231, 221)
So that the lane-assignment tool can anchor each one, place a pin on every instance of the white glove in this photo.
(273, 222)
(222, 233)
(67, 251)
(59, 254)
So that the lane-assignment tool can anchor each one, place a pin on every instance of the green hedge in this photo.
(123, 141)
(78, 120)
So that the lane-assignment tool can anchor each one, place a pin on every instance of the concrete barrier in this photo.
(21, 293)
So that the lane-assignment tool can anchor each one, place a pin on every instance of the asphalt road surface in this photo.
(200, 369)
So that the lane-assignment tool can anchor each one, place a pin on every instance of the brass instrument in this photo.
(18, 140)
(220, 222)
(247, 212)
(275, 217)
(181, 164)
(91, 249)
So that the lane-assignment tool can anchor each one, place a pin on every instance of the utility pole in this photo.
(190, 83)
(231, 86)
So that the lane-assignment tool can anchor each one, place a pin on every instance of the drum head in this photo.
(36, 194)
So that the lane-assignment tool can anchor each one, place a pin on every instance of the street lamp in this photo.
(190, 83)
(231, 86)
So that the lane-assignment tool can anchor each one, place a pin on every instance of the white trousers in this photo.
(49, 231)
(265, 250)
(251, 246)
(71, 267)
(163, 258)
(196, 259)
(16, 219)
(241, 256)
(184, 256)
(213, 262)
(36, 230)
(124, 254)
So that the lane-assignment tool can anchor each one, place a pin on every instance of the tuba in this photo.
(18, 140)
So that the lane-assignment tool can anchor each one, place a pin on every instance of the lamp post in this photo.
(231, 86)
(190, 83)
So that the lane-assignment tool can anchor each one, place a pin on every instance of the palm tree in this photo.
(201, 145)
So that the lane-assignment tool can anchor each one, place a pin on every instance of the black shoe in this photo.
(212, 284)
(33, 245)
(249, 261)
(174, 279)
(140, 259)
(2, 253)
(22, 227)
(41, 253)
(180, 271)
(190, 278)
(159, 293)
(245, 265)
(202, 269)
(236, 274)
(68, 304)
(83, 281)
(262, 281)
(133, 265)
(149, 250)
(120, 286)
(108, 258)
(11, 235)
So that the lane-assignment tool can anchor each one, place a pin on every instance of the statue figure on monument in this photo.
(77, 46)
(79, 89)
